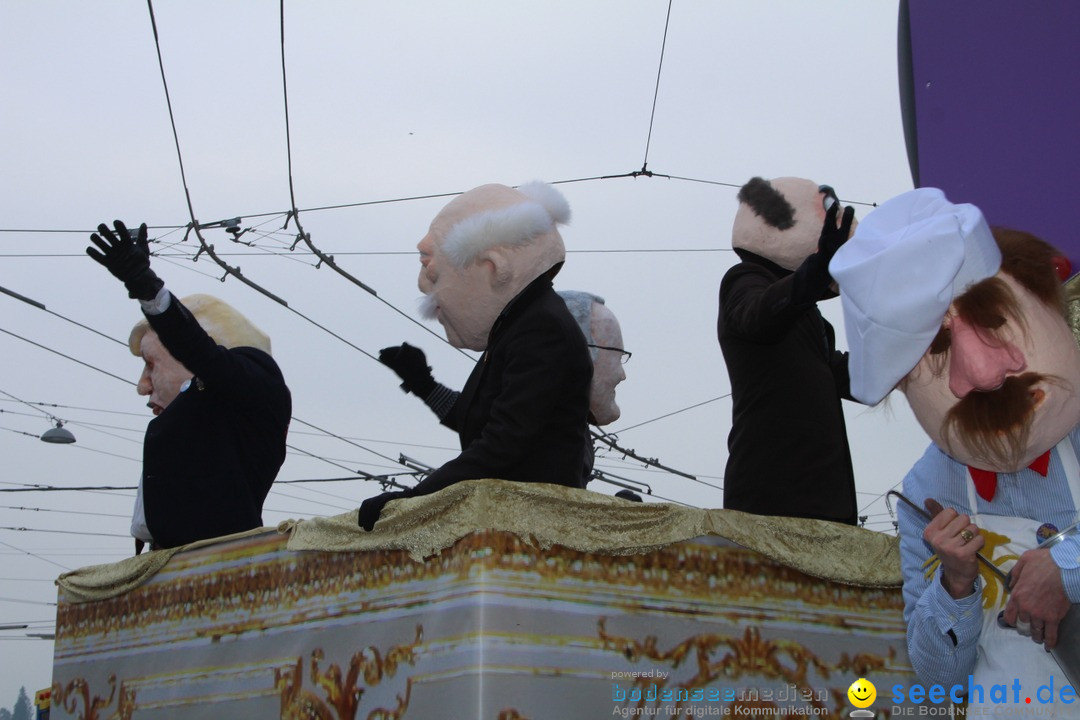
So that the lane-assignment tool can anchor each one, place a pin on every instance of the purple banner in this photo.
(992, 109)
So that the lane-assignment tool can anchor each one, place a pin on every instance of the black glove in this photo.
(128, 260)
(371, 508)
(410, 364)
(812, 279)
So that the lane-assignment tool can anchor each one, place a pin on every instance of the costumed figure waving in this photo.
(787, 450)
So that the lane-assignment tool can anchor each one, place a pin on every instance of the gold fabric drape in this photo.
(545, 515)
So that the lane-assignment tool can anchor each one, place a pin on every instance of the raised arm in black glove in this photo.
(411, 366)
(812, 279)
(128, 260)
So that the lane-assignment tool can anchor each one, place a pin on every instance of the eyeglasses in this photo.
(830, 196)
(624, 354)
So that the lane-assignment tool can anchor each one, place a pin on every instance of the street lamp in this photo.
(58, 434)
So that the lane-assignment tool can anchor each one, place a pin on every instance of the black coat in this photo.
(787, 450)
(523, 413)
(210, 457)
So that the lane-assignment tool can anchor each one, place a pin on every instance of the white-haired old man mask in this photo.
(484, 248)
(604, 338)
(522, 415)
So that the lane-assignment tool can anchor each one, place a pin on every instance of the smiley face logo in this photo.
(862, 693)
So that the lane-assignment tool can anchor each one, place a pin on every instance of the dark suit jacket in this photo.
(210, 457)
(523, 413)
(788, 449)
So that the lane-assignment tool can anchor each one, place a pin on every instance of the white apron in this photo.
(1004, 654)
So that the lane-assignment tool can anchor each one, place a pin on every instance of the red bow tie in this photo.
(986, 480)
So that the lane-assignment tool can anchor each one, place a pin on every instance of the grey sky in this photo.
(389, 101)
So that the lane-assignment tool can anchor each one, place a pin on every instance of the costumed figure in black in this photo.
(787, 451)
(221, 405)
(487, 263)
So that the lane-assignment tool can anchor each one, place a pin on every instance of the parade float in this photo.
(490, 600)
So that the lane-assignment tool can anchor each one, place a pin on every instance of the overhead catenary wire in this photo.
(180, 160)
(77, 423)
(311, 220)
(62, 532)
(93, 427)
(366, 476)
(41, 306)
(195, 224)
(64, 512)
(34, 487)
(172, 259)
(33, 555)
(612, 442)
(56, 419)
(881, 496)
(66, 357)
(654, 105)
(329, 260)
(74, 446)
(407, 198)
(294, 213)
(675, 412)
(27, 602)
(30, 405)
(656, 91)
(385, 457)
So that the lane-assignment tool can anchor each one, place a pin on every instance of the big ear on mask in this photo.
(497, 262)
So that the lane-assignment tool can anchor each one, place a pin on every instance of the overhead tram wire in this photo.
(350, 503)
(31, 487)
(610, 441)
(93, 427)
(235, 272)
(675, 412)
(79, 447)
(41, 306)
(33, 555)
(389, 201)
(52, 417)
(294, 213)
(62, 532)
(67, 357)
(656, 91)
(197, 228)
(172, 258)
(424, 446)
(27, 602)
(347, 440)
(49, 415)
(180, 159)
(329, 260)
(21, 432)
(882, 496)
(384, 480)
(64, 512)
